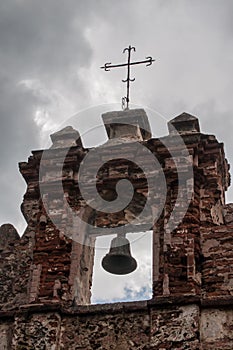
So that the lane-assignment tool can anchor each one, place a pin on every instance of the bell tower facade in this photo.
(178, 185)
(191, 168)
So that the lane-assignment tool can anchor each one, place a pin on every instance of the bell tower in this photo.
(179, 196)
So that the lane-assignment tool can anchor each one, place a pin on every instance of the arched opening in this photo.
(107, 287)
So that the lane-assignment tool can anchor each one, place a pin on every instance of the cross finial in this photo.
(108, 66)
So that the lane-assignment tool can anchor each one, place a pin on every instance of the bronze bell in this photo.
(119, 260)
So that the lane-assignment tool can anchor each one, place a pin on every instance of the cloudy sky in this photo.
(50, 54)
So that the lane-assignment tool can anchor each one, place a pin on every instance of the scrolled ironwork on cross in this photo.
(149, 60)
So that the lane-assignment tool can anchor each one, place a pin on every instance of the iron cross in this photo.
(108, 66)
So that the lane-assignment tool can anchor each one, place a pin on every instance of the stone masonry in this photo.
(46, 275)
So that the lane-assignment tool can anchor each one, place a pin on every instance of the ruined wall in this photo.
(61, 267)
(122, 326)
(217, 265)
(45, 277)
(15, 264)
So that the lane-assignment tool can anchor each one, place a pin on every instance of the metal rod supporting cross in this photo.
(108, 66)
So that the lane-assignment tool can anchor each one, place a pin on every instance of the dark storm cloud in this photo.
(43, 37)
(40, 42)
